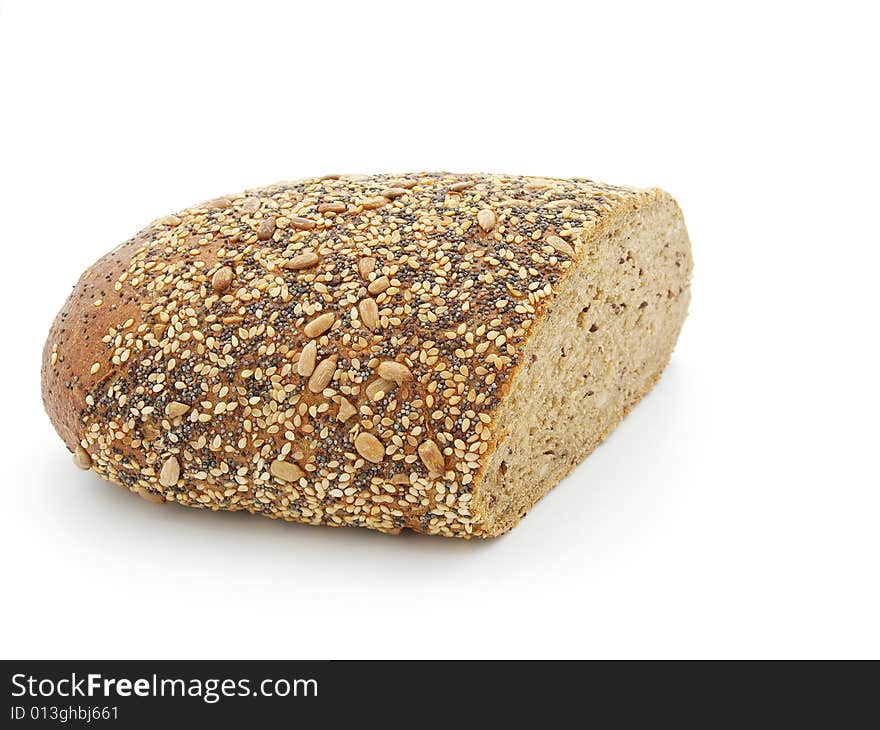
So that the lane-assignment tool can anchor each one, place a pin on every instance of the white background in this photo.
(735, 513)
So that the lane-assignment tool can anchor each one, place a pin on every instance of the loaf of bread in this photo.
(428, 351)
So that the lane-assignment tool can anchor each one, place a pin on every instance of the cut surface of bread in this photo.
(430, 351)
(605, 342)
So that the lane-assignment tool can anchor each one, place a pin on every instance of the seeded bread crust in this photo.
(329, 351)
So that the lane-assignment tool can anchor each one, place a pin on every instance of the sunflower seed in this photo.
(306, 364)
(371, 203)
(81, 458)
(150, 432)
(559, 245)
(286, 471)
(369, 312)
(170, 472)
(431, 457)
(153, 497)
(366, 265)
(266, 229)
(346, 409)
(396, 371)
(303, 224)
(377, 286)
(302, 261)
(369, 447)
(175, 409)
(319, 325)
(486, 219)
(331, 208)
(392, 193)
(379, 388)
(323, 374)
(222, 279)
